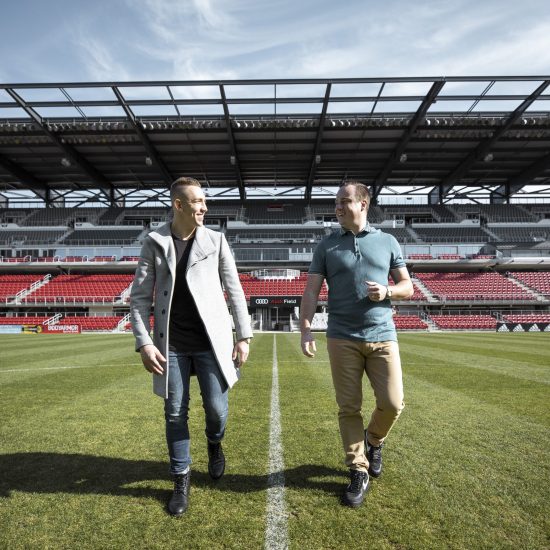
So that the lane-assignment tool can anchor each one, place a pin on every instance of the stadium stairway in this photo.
(125, 294)
(494, 236)
(413, 234)
(539, 297)
(64, 236)
(35, 286)
(121, 326)
(458, 215)
(431, 325)
(528, 214)
(53, 320)
(419, 284)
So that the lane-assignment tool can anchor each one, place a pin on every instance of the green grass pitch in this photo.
(83, 461)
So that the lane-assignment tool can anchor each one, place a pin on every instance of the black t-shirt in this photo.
(187, 332)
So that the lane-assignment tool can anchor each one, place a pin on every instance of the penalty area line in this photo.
(276, 530)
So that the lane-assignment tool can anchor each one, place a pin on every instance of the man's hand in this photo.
(376, 292)
(240, 352)
(152, 359)
(308, 344)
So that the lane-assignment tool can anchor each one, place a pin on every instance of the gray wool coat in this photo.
(210, 264)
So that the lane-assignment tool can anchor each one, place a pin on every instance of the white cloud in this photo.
(227, 39)
(98, 60)
(519, 52)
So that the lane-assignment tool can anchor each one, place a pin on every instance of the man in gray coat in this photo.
(181, 269)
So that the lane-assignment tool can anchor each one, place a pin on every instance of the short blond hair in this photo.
(176, 189)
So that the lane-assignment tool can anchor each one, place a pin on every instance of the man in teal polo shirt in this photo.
(356, 261)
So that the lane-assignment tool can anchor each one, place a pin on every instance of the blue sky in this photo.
(102, 40)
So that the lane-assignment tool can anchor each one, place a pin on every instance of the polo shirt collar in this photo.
(366, 229)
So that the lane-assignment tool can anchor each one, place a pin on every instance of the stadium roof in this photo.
(483, 138)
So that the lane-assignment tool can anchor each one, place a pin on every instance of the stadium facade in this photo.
(459, 170)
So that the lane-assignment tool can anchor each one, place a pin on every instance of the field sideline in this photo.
(83, 459)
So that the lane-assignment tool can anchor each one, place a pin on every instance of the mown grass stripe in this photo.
(38, 369)
(276, 533)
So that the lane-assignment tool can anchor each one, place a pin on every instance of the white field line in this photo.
(276, 530)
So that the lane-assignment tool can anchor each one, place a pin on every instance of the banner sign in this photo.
(40, 329)
(62, 329)
(523, 327)
(275, 301)
(10, 329)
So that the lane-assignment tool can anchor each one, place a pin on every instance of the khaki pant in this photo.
(349, 359)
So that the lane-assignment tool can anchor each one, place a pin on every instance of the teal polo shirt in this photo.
(346, 261)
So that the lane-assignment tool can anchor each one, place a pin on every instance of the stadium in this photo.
(459, 171)
(464, 189)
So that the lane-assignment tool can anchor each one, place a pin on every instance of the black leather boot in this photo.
(216, 460)
(180, 497)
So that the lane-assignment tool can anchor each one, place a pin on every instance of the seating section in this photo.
(102, 237)
(443, 214)
(275, 213)
(29, 237)
(473, 286)
(521, 234)
(50, 216)
(527, 318)
(277, 235)
(111, 215)
(146, 215)
(107, 322)
(81, 288)
(13, 215)
(10, 260)
(24, 320)
(450, 257)
(420, 257)
(409, 322)
(506, 213)
(470, 322)
(539, 281)
(405, 211)
(103, 259)
(453, 235)
(10, 285)
(277, 287)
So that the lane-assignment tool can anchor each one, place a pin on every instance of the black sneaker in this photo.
(374, 456)
(180, 497)
(357, 489)
(216, 460)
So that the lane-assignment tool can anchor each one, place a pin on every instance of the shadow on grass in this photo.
(85, 474)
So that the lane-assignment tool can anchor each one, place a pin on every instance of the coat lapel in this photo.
(202, 247)
(163, 237)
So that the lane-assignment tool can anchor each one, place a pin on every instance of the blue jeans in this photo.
(214, 392)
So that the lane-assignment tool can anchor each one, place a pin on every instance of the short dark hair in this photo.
(177, 186)
(362, 192)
